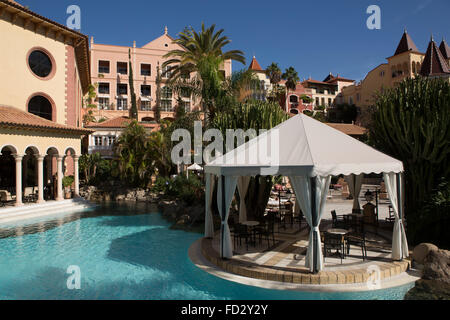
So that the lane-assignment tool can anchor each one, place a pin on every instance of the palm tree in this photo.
(130, 150)
(291, 77)
(158, 153)
(202, 54)
(274, 74)
(242, 84)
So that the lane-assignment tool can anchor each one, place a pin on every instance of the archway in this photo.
(30, 179)
(70, 169)
(50, 173)
(7, 173)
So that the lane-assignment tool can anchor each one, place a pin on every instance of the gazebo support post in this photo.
(314, 222)
(222, 228)
(400, 205)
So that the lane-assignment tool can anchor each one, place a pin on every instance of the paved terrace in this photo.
(284, 261)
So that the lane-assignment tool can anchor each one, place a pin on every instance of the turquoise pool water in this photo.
(123, 252)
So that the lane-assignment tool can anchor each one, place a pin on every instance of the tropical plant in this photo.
(257, 115)
(274, 73)
(306, 99)
(89, 105)
(242, 84)
(133, 110)
(88, 165)
(130, 149)
(411, 123)
(202, 54)
(158, 154)
(253, 114)
(292, 78)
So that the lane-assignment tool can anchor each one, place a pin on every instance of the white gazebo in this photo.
(309, 153)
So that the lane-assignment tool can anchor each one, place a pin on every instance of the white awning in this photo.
(195, 167)
(303, 146)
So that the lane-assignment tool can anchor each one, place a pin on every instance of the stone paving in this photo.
(285, 260)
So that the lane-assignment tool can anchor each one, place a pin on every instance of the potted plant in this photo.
(67, 183)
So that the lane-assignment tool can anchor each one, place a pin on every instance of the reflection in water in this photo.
(123, 252)
(106, 209)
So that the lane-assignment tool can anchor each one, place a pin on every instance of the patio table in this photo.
(342, 232)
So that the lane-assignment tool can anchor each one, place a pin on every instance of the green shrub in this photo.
(68, 181)
(430, 223)
(188, 189)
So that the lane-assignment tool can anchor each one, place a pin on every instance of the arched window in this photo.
(293, 99)
(41, 107)
(40, 63)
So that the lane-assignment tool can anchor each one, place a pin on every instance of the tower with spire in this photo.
(435, 65)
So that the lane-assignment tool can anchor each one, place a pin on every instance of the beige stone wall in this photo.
(17, 82)
(381, 78)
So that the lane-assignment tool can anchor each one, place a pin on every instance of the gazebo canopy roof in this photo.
(303, 146)
(195, 167)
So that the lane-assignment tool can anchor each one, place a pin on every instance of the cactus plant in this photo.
(411, 123)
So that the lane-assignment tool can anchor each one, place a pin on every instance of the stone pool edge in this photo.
(231, 272)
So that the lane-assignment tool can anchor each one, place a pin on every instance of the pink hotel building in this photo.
(109, 70)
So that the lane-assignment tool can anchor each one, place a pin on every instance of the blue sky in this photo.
(315, 37)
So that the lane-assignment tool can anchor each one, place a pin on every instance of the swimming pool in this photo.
(123, 252)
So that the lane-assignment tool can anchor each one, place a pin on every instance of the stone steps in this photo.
(39, 210)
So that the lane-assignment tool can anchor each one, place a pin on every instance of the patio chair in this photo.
(333, 242)
(391, 217)
(267, 231)
(357, 237)
(28, 194)
(338, 220)
(241, 232)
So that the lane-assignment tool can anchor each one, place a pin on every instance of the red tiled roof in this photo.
(13, 117)
(334, 79)
(350, 129)
(254, 65)
(120, 122)
(406, 44)
(434, 63)
(318, 82)
(445, 49)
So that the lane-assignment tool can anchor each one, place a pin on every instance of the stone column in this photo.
(60, 196)
(18, 158)
(40, 167)
(76, 175)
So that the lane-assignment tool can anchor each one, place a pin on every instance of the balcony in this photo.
(105, 151)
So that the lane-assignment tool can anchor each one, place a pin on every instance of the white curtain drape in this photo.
(209, 222)
(354, 186)
(242, 184)
(303, 192)
(399, 240)
(226, 245)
